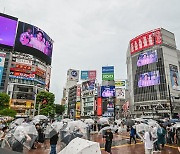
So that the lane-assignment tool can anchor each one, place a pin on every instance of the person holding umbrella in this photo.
(108, 136)
(53, 142)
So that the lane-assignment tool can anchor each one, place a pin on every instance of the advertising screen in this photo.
(174, 77)
(91, 75)
(149, 79)
(88, 85)
(31, 39)
(8, 27)
(108, 91)
(147, 58)
(146, 40)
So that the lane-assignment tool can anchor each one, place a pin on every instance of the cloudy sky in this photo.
(89, 34)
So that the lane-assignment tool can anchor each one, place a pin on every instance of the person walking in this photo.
(161, 133)
(53, 143)
(155, 138)
(132, 134)
(108, 136)
(148, 142)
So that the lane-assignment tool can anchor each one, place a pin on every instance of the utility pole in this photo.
(171, 108)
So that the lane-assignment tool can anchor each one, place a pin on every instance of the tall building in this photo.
(153, 64)
(25, 69)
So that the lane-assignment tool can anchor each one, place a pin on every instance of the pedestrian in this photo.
(161, 132)
(155, 138)
(108, 136)
(132, 134)
(148, 142)
(178, 136)
(53, 143)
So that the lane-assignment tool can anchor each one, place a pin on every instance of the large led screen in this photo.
(147, 58)
(7, 30)
(149, 79)
(32, 39)
(108, 91)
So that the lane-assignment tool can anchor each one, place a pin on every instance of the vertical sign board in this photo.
(78, 110)
(2, 60)
(174, 77)
(48, 77)
(92, 75)
(108, 73)
(84, 75)
(99, 106)
(78, 93)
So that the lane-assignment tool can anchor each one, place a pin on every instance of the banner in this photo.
(146, 40)
(108, 73)
(120, 93)
(91, 75)
(120, 83)
(99, 106)
(84, 75)
(108, 91)
(174, 75)
(48, 77)
(2, 60)
(78, 110)
(88, 85)
(73, 75)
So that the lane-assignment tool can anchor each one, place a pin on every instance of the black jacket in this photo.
(108, 136)
(54, 139)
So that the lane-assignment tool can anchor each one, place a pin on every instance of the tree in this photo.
(46, 101)
(59, 109)
(4, 101)
(8, 112)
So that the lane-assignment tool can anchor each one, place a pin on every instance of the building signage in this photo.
(108, 73)
(174, 77)
(146, 40)
(73, 75)
(84, 75)
(2, 60)
(99, 106)
(120, 83)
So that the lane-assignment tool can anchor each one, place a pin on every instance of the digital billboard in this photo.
(146, 40)
(174, 77)
(108, 91)
(88, 85)
(8, 27)
(31, 39)
(149, 79)
(147, 57)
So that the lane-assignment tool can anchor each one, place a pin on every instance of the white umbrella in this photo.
(19, 121)
(40, 117)
(103, 120)
(103, 130)
(81, 146)
(141, 127)
(177, 125)
(66, 120)
(89, 121)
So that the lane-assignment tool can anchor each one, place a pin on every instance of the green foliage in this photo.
(8, 112)
(59, 109)
(4, 101)
(46, 99)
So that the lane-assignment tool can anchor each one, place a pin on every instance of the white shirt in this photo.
(148, 144)
(154, 132)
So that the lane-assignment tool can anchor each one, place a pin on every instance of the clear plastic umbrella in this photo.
(40, 117)
(66, 120)
(89, 121)
(103, 120)
(141, 127)
(103, 130)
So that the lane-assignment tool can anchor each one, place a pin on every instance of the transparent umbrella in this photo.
(103, 130)
(40, 117)
(103, 120)
(89, 121)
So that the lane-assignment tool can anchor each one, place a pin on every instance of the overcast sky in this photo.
(89, 34)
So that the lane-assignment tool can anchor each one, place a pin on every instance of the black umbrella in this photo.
(68, 138)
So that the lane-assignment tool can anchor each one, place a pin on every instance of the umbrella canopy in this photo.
(40, 117)
(103, 120)
(129, 122)
(177, 125)
(69, 137)
(141, 127)
(53, 129)
(19, 121)
(81, 146)
(66, 120)
(119, 121)
(89, 121)
(103, 130)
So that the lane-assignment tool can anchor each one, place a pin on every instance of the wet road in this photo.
(120, 146)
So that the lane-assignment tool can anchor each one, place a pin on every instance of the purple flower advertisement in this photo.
(7, 31)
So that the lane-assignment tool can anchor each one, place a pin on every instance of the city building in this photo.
(153, 64)
(26, 53)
